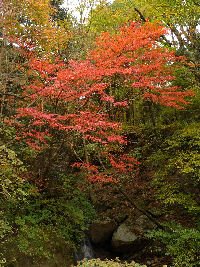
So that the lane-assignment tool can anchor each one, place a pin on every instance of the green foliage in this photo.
(174, 12)
(177, 161)
(109, 17)
(14, 191)
(14, 188)
(112, 263)
(10, 169)
(42, 225)
(33, 223)
(181, 243)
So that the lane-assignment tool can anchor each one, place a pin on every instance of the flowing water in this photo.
(85, 250)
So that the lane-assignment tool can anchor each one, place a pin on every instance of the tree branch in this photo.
(140, 14)
(140, 209)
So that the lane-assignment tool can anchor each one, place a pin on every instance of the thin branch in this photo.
(196, 3)
(140, 14)
(75, 153)
(165, 39)
(140, 209)
(33, 102)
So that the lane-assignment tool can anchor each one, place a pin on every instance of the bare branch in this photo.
(140, 14)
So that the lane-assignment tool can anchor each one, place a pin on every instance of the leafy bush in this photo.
(106, 263)
(37, 219)
(42, 225)
(181, 243)
(33, 223)
(175, 159)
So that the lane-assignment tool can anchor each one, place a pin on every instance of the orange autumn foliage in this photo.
(30, 22)
(70, 98)
(143, 64)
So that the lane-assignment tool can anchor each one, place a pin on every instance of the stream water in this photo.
(85, 250)
(89, 251)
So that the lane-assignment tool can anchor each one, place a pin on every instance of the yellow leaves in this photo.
(172, 11)
(31, 21)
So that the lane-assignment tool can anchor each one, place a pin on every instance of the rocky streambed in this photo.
(110, 239)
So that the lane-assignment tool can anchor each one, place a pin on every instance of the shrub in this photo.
(107, 263)
(181, 243)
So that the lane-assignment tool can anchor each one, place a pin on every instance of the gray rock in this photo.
(101, 231)
(124, 240)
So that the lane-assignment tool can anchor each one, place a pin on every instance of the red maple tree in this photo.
(136, 54)
(70, 98)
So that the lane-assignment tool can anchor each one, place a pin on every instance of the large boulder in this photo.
(131, 239)
(124, 240)
(101, 231)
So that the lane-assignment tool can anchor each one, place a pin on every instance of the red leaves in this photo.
(120, 104)
(94, 174)
(58, 86)
(135, 54)
(71, 98)
(123, 165)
